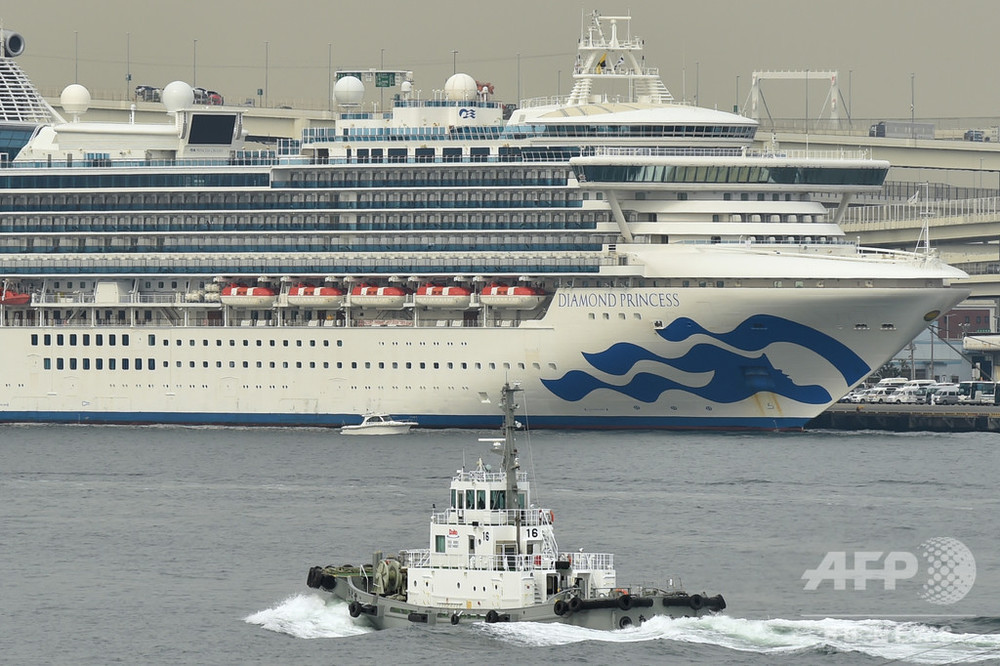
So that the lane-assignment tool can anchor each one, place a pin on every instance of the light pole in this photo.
(454, 61)
(913, 129)
(76, 56)
(381, 91)
(194, 66)
(267, 54)
(128, 64)
(736, 107)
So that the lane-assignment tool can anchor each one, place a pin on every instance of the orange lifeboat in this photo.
(8, 297)
(385, 298)
(248, 297)
(500, 295)
(437, 296)
(308, 295)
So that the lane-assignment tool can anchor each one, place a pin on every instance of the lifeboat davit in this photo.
(385, 298)
(8, 297)
(248, 297)
(306, 294)
(499, 295)
(437, 296)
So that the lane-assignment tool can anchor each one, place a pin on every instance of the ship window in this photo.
(470, 499)
(439, 543)
(34, 339)
(111, 364)
(453, 499)
(99, 364)
(124, 364)
(72, 364)
(59, 364)
(60, 340)
(86, 364)
(47, 339)
(152, 340)
(481, 499)
(498, 500)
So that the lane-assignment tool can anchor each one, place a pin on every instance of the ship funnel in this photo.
(13, 43)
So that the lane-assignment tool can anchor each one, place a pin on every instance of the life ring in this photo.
(560, 608)
(696, 602)
(454, 618)
(575, 604)
(492, 617)
(625, 602)
(354, 608)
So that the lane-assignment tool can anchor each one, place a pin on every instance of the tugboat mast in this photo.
(510, 463)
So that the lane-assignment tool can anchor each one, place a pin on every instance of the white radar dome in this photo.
(75, 99)
(460, 88)
(349, 91)
(177, 95)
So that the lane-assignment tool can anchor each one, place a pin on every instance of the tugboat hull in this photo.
(618, 610)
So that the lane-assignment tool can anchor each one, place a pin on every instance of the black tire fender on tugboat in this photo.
(696, 601)
(354, 608)
(455, 618)
(560, 607)
(625, 602)
(492, 617)
(575, 604)
(312, 579)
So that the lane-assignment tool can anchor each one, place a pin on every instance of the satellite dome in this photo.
(406, 87)
(460, 88)
(349, 91)
(75, 99)
(176, 96)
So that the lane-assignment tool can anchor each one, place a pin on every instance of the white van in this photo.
(877, 394)
(944, 395)
(909, 395)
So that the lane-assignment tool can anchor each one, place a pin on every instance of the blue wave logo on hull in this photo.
(734, 377)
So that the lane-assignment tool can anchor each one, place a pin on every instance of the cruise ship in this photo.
(632, 260)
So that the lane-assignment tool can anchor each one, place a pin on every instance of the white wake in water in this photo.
(909, 641)
(312, 616)
(308, 616)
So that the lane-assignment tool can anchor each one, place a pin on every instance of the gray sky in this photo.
(952, 48)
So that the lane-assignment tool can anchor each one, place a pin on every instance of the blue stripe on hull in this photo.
(427, 421)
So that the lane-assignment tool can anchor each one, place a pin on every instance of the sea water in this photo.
(191, 545)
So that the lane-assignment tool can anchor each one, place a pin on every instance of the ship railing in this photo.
(728, 151)
(483, 475)
(589, 560)
(528, 517)
(420, 557)
(532, 562)
(268, 159)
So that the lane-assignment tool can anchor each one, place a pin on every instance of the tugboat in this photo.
(493, 557)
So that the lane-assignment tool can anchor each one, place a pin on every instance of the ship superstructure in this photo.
(632, 260)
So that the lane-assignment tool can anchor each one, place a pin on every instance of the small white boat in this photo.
(378, 424)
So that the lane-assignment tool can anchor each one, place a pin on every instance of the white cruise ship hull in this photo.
(598, 358)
